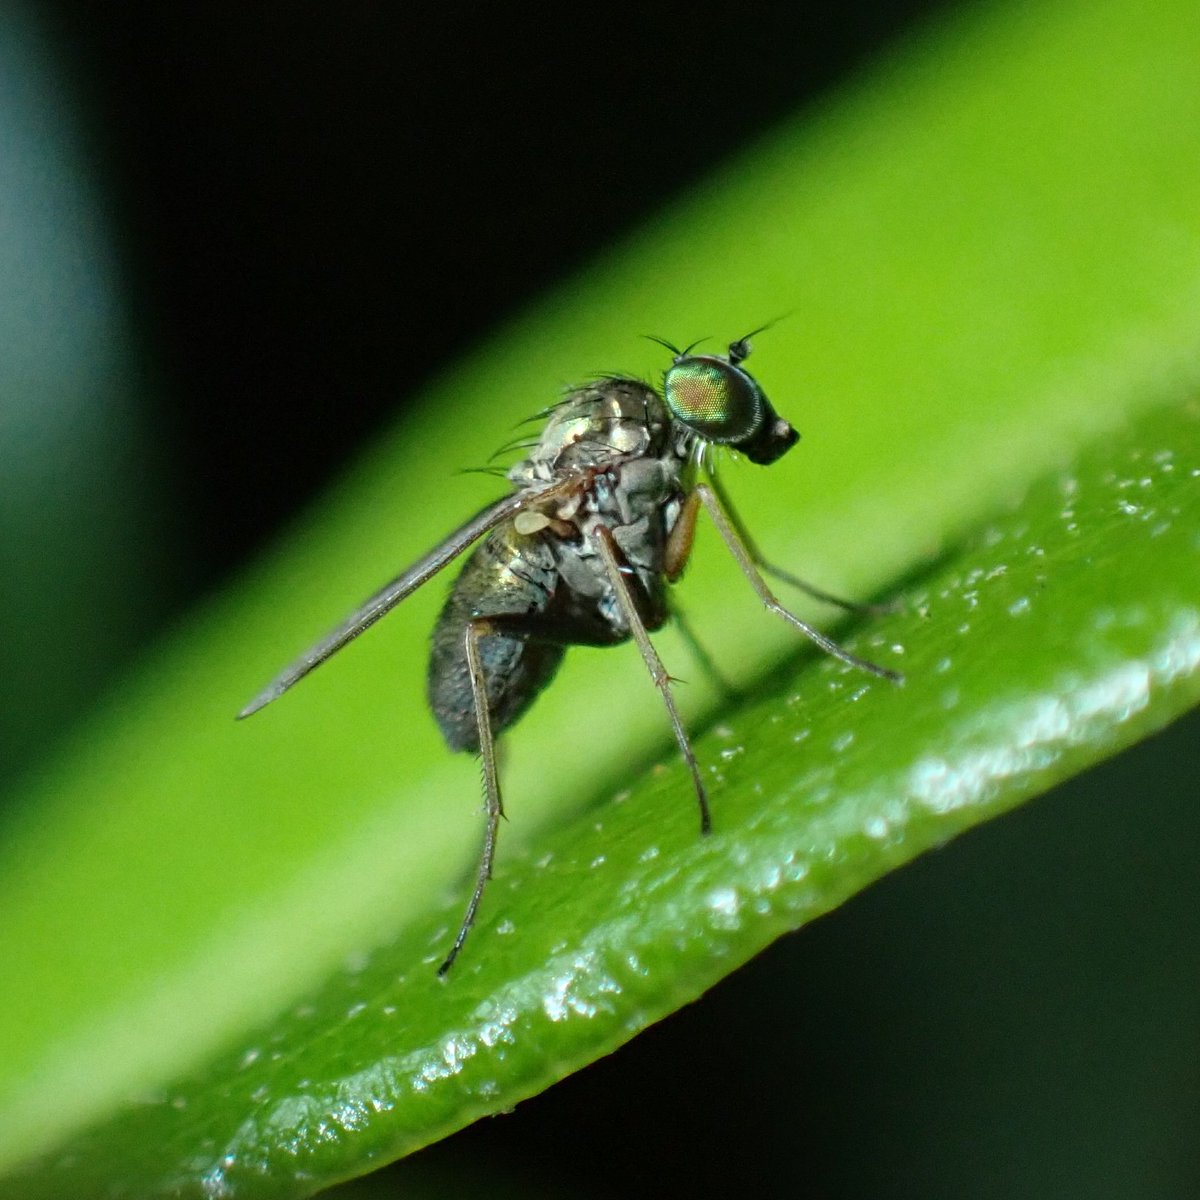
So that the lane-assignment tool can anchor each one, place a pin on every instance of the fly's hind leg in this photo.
(610, 555)
(475, 629)
(730, 534)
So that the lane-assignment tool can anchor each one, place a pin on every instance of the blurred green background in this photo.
(233, 244)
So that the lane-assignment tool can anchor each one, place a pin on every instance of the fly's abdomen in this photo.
(512, 579)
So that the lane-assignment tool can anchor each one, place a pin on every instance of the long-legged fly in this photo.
(601, 518)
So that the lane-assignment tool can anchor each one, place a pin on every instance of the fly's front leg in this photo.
(676, 553)
(745, 560)
(610, 555)
(755, 556)
(475, 629)
(681, 538)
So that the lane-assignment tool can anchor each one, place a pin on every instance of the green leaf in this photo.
(227, 933)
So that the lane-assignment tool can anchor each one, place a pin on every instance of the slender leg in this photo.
(700, 653)
(755, 556)
(609, 554)
(476, 629)
(679, 541)
(744, 559)
(676, 554)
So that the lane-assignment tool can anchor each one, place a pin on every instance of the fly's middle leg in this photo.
(610, 555)
(705, 661)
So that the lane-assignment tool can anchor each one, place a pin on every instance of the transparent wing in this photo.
(388, 596)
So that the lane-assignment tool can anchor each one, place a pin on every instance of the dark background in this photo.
(320, 205)
(317, 207)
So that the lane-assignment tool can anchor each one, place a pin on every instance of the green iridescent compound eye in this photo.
(716, 399)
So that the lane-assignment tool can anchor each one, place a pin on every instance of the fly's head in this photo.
(717, 399)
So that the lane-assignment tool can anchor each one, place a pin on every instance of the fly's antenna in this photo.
(739, 350)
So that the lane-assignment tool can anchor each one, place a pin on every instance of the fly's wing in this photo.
(388, 596)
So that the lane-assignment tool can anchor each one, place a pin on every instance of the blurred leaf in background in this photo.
(82, 571)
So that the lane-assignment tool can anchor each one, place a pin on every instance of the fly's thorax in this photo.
(639, 502)
(607, 421)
